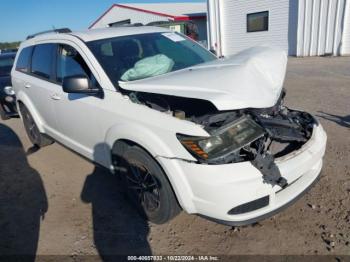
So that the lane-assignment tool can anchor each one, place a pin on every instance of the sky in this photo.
(19, 18)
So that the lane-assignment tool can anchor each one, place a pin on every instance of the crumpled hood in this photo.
(251, 79)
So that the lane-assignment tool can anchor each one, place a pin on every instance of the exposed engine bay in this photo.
(256, 135)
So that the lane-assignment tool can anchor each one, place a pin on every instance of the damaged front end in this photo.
(276, 132)
(256, 135)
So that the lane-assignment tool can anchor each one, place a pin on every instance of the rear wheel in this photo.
(147, 186)
(38, 139)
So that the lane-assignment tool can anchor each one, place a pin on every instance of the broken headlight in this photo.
(225, 140)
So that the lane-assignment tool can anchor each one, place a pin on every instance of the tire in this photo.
(3, 115)
(147, 186)
(38, 139)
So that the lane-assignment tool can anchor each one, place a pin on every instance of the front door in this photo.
(76, 114)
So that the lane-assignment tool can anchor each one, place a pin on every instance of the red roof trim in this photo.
(176, 18)
(187, 18)
(145, 11)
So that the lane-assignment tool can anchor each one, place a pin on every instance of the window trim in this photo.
(257, 13)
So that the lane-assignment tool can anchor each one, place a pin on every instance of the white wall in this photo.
(233, 20)
(300, 27)
(345, 46)
(118, 14)
(321, 27)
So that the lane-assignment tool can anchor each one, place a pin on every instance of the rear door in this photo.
(39, 84)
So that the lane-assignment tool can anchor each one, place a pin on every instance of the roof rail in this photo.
(58, 31)
(126, 25)
(155, 23)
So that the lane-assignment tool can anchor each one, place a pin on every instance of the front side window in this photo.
(70, 63)
(257, 22)
(129, 58)
(23, 60)
(42, 60)
(6, 63)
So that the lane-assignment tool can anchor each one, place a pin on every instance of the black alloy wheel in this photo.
(147, 186)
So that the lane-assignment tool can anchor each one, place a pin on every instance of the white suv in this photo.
(182, 128)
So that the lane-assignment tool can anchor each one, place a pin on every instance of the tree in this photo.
(9, 45)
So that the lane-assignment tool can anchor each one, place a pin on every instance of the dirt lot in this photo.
(69, 207)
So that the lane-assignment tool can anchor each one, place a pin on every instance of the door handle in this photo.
(26, 85)
(55, 97)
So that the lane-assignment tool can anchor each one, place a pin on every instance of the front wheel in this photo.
(148, 187)
(38, 139)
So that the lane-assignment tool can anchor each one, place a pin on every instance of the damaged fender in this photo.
(163, 148)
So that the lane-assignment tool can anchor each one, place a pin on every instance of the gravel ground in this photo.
(60, 204)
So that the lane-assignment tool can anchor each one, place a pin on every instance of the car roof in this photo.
(99, 33)
(109, 32)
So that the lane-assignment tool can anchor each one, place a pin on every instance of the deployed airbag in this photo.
(149, 66)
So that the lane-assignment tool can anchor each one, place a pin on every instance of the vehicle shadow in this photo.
(117, 226)
(340, 120)
(23, 200)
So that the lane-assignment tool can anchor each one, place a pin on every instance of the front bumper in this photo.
(213, 190)
(8, 105)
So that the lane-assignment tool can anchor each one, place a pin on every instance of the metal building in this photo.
(301, 27)
(146, 13)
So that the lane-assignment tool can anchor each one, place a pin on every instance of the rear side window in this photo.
(23, 59)
(42, 60)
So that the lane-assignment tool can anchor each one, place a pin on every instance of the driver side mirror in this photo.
(79, 84)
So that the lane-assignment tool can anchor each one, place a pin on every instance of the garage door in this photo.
(320, 27)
